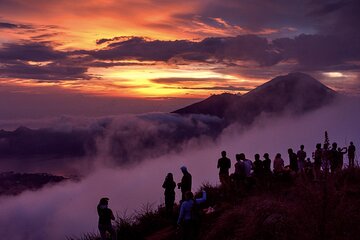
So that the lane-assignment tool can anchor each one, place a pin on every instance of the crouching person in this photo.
(105, 217)
(189, 215)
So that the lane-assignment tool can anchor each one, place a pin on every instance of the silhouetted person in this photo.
(185, 184)
(187, 216)
(248, 165)
(317, 161)
(351, 154)
(278, 164)
(105, 217)
(224, 165)
(293, 160)
(258, 166)
(341, 152)
(301, 155)
(267, 164)
(325, 158)
(239, 173)
(334, 159)
(169, 186)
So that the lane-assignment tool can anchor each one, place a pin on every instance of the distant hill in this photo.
(295, 93)
(15, 183)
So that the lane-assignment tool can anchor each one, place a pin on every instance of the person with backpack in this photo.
(105, 217)
(189, 215)
(169, 186)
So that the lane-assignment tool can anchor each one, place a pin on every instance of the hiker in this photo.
(248, 165)
(185, 184)
(317, 155)
(224, 165)
(341, 152)
(351, 154)
(258, 167)
(239, 173)
(325, 158)
(267, 164)
(334, 158)
(293, 161)
(301, 155)
(105, 217)
(169, 186)
(189, 215)
(278, 164)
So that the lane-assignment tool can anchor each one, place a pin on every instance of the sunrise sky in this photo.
(155, 55)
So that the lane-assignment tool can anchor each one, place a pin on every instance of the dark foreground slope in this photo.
(295, 93)
(295, 209)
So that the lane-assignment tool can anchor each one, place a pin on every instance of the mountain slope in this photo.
(296, 93)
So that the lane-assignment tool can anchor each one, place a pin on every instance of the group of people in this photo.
(325, 158)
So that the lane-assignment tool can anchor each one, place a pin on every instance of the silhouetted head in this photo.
(183, 169)
(169, 176)
(302, 147)
(334, 145)
(290, 150)
(278, 155)
(318, 146)
(266, 155)
(223, 153)
(242, 156)
(257, 157)
(104, 201)
(237, 156)
(189, 195)
(351, 143)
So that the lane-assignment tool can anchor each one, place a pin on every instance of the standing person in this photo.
(248, 165)
(267, 164)
(278, 164)
(341, 152)
(169, 186)
(351, 154)
(335, 158)
(293, 160)
(224, 165)
(188, 215)
(258, 167)
(239, 173)
(317, 161)
(301, 155)
(325, 158)
(105, 217)
(185, 184)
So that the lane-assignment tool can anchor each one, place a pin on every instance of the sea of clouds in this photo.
(69, 208)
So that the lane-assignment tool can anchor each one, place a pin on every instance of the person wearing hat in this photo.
(185, 184)
(105, 217)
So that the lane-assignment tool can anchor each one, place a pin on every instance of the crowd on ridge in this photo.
(326, 160)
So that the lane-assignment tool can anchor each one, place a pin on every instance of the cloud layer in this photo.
(70, 209)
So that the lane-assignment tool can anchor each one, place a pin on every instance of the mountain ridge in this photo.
(295, 92)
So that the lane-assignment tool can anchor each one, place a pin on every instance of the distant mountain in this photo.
(295, 93)
(15, 183)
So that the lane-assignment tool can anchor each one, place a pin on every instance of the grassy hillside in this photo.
(292, 208)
